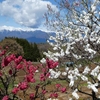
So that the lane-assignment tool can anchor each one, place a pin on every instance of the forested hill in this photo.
(20, 46)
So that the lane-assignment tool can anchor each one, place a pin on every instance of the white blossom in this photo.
(75, 94)
(86, 70)
(84, 78)
(43, 60)
(71, 80)
(98, 77)
(54, 74)
(64, 73)
(95, 71)
(92, 86)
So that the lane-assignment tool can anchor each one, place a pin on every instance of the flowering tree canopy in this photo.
(77, 27)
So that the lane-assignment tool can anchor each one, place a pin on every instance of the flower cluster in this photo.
(12, 66)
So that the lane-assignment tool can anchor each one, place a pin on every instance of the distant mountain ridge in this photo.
(36, 36)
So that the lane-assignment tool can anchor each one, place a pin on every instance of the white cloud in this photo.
(25, 12)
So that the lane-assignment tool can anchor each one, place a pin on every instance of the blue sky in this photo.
(24, 13)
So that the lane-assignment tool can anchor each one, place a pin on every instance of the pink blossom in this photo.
(5, 98)
(32, 96)
(58, 85)
(5, 62)
(19, 66)
(10, 72)
(15, 90)
(12, 56)
(53, 95)
(3, 52)
(48, 74)
(44, 91)
(23, 85)
(18, 60)
(42, 77)
(32, 69)
(63, 89)
(51, 64)
(37, 86)
(44, 70)
(30, 78)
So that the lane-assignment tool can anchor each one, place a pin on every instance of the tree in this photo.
(77, 37)
(36, 54)
(31, 52)
(13, 46)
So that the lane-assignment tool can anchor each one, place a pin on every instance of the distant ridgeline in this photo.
(32, 36)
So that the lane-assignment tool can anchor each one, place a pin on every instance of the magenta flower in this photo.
(32, 69)
(30, 78)
(20, 58)
(44, 91)
(58, 85)
(51, 64)
(5, 62)
(53, 95)
(32, 96)
(15, 90)
(10, 72)
(3, 52)
(42, 77)
(5, 98)
(23, 85)
(63, 89)
(19, 66)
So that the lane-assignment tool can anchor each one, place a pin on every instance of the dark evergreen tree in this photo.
(31, 52)
(37, 55)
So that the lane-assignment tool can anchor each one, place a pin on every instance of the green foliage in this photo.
(31, 52)
(20, 46)
(36, 54)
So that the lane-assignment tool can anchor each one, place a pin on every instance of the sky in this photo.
(24, 13)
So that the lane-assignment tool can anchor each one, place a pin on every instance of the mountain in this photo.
(36, 36)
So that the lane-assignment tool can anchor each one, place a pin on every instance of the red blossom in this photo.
(19, 66)
(23, 85)
(10, 72)
(32, 69)
(58, 85)
(51, 64)
(53, 95)
(18, 60)
(2, 52)
(42, 77)
(12, 56)
(30, 78)
(32, 96)
(63, 89)
(5, 98)
(44, 91)
(48, 74)
(6, 61)
(15, 90)
(37, 86)
(44, 70)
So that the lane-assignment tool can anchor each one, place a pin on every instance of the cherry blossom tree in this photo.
(77, 27)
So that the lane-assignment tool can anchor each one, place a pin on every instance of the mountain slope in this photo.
(36, 36)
